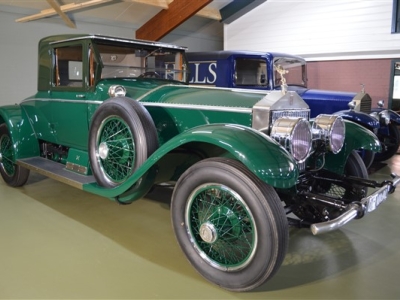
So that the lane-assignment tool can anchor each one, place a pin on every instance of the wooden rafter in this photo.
(168, 19)
(63, 16)
(64, 8)
(206, 12)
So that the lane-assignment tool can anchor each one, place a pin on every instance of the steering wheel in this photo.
(149, 74)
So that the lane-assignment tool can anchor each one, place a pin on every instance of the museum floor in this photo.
(60, 242)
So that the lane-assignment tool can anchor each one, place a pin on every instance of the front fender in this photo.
(357, 137)
(394, 116)
(258, 152)
(359, 117)
(21, 132)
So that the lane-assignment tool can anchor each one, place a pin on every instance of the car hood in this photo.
(314, 94)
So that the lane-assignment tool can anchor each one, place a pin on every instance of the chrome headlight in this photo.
(294, 134)
(384, 117)
(352, 104)
(116, 91)
(331, 129)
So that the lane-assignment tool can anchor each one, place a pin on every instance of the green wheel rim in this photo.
(7, 155)
(221, 227)
(116, 136)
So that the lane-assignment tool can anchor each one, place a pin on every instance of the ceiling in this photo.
(134, 13)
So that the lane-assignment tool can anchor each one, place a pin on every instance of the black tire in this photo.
(122, 136)
(230, 225)
(14, 175)
(367, 156)
(391, 143)
(355, 166)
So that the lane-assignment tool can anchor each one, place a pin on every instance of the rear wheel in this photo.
(12, 174)
(230, 225)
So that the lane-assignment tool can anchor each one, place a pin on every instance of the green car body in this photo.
(115, 117)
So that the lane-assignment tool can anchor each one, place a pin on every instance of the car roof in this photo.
(224, 54)
(54, 39)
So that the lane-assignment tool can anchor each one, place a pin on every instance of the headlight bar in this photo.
(294, 134)
(331, 129)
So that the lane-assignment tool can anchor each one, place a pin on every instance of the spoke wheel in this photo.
(222, 226)
(12, 174)
(118, 141)
(230, 225)
(116, 149)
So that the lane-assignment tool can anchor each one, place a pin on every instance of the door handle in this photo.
(80, 96)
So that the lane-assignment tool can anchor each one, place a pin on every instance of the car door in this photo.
(69, 108)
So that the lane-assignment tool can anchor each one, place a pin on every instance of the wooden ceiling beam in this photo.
(64, 8)
(157, 3)
(63, 16)
(167, 20)
(209, 13)
(206, 12)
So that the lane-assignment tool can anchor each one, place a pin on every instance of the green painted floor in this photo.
(57, 242)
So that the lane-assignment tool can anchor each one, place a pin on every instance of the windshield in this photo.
(138, 61)
(295, 74)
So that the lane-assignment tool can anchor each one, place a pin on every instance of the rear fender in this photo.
(258, 152)
(21, 132)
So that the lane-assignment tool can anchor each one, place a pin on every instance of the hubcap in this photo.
(208, 232)
(103, 150)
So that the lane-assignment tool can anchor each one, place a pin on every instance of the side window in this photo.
(68, 66)
(250, 72)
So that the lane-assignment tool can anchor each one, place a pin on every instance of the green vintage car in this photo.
(115, 116)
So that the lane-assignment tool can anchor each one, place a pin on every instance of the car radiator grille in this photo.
(276, 114)
(365, 105)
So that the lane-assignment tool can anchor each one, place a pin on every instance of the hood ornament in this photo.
(281, 72)
(362, 88)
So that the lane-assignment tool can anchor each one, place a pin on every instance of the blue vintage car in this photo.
(258, 70)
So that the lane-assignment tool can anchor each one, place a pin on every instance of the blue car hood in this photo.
(325, 102)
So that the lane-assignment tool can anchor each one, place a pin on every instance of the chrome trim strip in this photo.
(63, 100)
(156, 104)
(199, 106)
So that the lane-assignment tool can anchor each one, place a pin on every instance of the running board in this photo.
(55, 171)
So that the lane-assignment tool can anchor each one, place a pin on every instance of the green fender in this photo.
(258, 152)
(357, 137)
(21, 132)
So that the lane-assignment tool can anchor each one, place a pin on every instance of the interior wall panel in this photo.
(317, 30)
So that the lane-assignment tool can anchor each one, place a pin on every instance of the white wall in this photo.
(317, 30)
(19, 45)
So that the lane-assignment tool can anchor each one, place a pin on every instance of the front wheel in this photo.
(230, 225)
(12, 174)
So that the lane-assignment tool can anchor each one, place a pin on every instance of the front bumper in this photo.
(358, 209)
